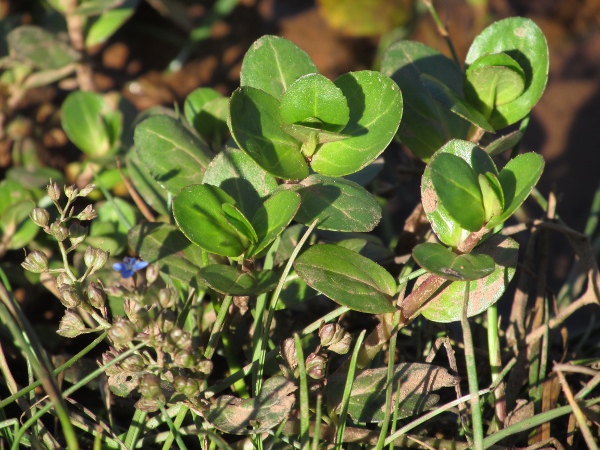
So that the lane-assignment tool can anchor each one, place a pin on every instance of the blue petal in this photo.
(140, 265)
(119, 267)
(127, 273)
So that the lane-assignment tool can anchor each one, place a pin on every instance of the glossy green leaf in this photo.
(34, 177)
(199, 214)
(444, 225)
(230, 281)
(253, 415)
(40, 48)
(237, 220)
(103, 27)
(272, 218)
(338, 204)
(241, 177)
(171, 153)
(494, 80)
(523, 41)
(11, 192)
(437, 259)
(207, 111)
(457, 188)
(446, 306)
(426, 125)
(314, 101)
(503, 143)
(370, 247)
(255, 124)
(272, 64)
(96, 7)
(90, 123)
(305, 134)
(518, 178)
(444, 95)
(16, 228)
(152, 193)
(347, 278)
(163, 244)
(376, 107)
(493, 196)
(368, 397)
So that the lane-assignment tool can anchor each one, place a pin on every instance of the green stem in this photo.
(472, 375)
(495, 359)
(304, 406)
(215, 334)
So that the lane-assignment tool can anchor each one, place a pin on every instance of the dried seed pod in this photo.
(95, 294)
(86, 190)
(77, 234)
(167, 297)
(133, 363)
(122, 331)
(152, 273)
(88, 213)
(70, 296)
(335, 338)
(53, 191)
(40, 217)
(166, 321)
(179, 338)
(342, 346)
(95, 258)
(184, 358)
(59, 232)
(287, 350)
(204, 366)
(71, 191)
(315, 365)
(70, 325)
(150, 387)
(107, 357)
(64, 278)
(36, 262)
(187, 386)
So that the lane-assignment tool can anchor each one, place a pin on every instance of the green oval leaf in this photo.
(272, 218)
(457, 188)
(230, 281)
(241, 177)
(40, 48)
(493, 196)
(444, 225)
(518, 178)
(376, 107)
(90, 123)
(368, 397)
(165, 245)
(207, 111)
(426, 125)
(524, 42)
(503, 143)
(239, 222)
(255, 125)
(437, 259)
(171, 153)
(199, 214)
(484, 292)
(273, 63)
(103, 27)
(152, 193)
(337, 204)
(347, 278)
(314, 101)
(494, 80)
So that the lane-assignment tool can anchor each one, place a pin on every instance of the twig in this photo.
(139, 202)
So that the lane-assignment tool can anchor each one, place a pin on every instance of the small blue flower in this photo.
(128, 266)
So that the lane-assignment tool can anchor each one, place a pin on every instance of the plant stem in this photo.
(303, 396)
(495, 358)
(472, 375)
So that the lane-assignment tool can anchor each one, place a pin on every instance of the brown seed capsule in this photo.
(149, 386)
(53, 191)
(96, 295)
(167, 297)
(133, 363)
(122, 331)
(288, 353)
(88, 213)
(204, 366)
(71, 191)
(86, 190)
(184, 358)
(315, 365)
(36, 262)
(65, 279)
(107, 357)
(187, 386)
(70, 296)
(59, 231)
(77, 234)
(152, 273)
(95, 258)
(70, 325)
(179, 338)
(40, 217)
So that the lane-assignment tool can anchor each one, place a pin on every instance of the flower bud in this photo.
(70, 325)
(187, 386)
(315, 366)
(77, 234)
(36, 262)
(150, 386)
(167, 297)
(179, 338)
(88, 213)
(122, 331)
(288, 353)
(184, 358)
(96, 295)
(71, 191)
(86, 190)
(40, 217)
(152, 273)
(95, 258)
(53, 191)
(59, 231)
(133, 363)
(69, 296)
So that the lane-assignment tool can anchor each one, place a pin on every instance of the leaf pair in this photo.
(287, 117)
(210, 218)
(506, 73)
(462, 189)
